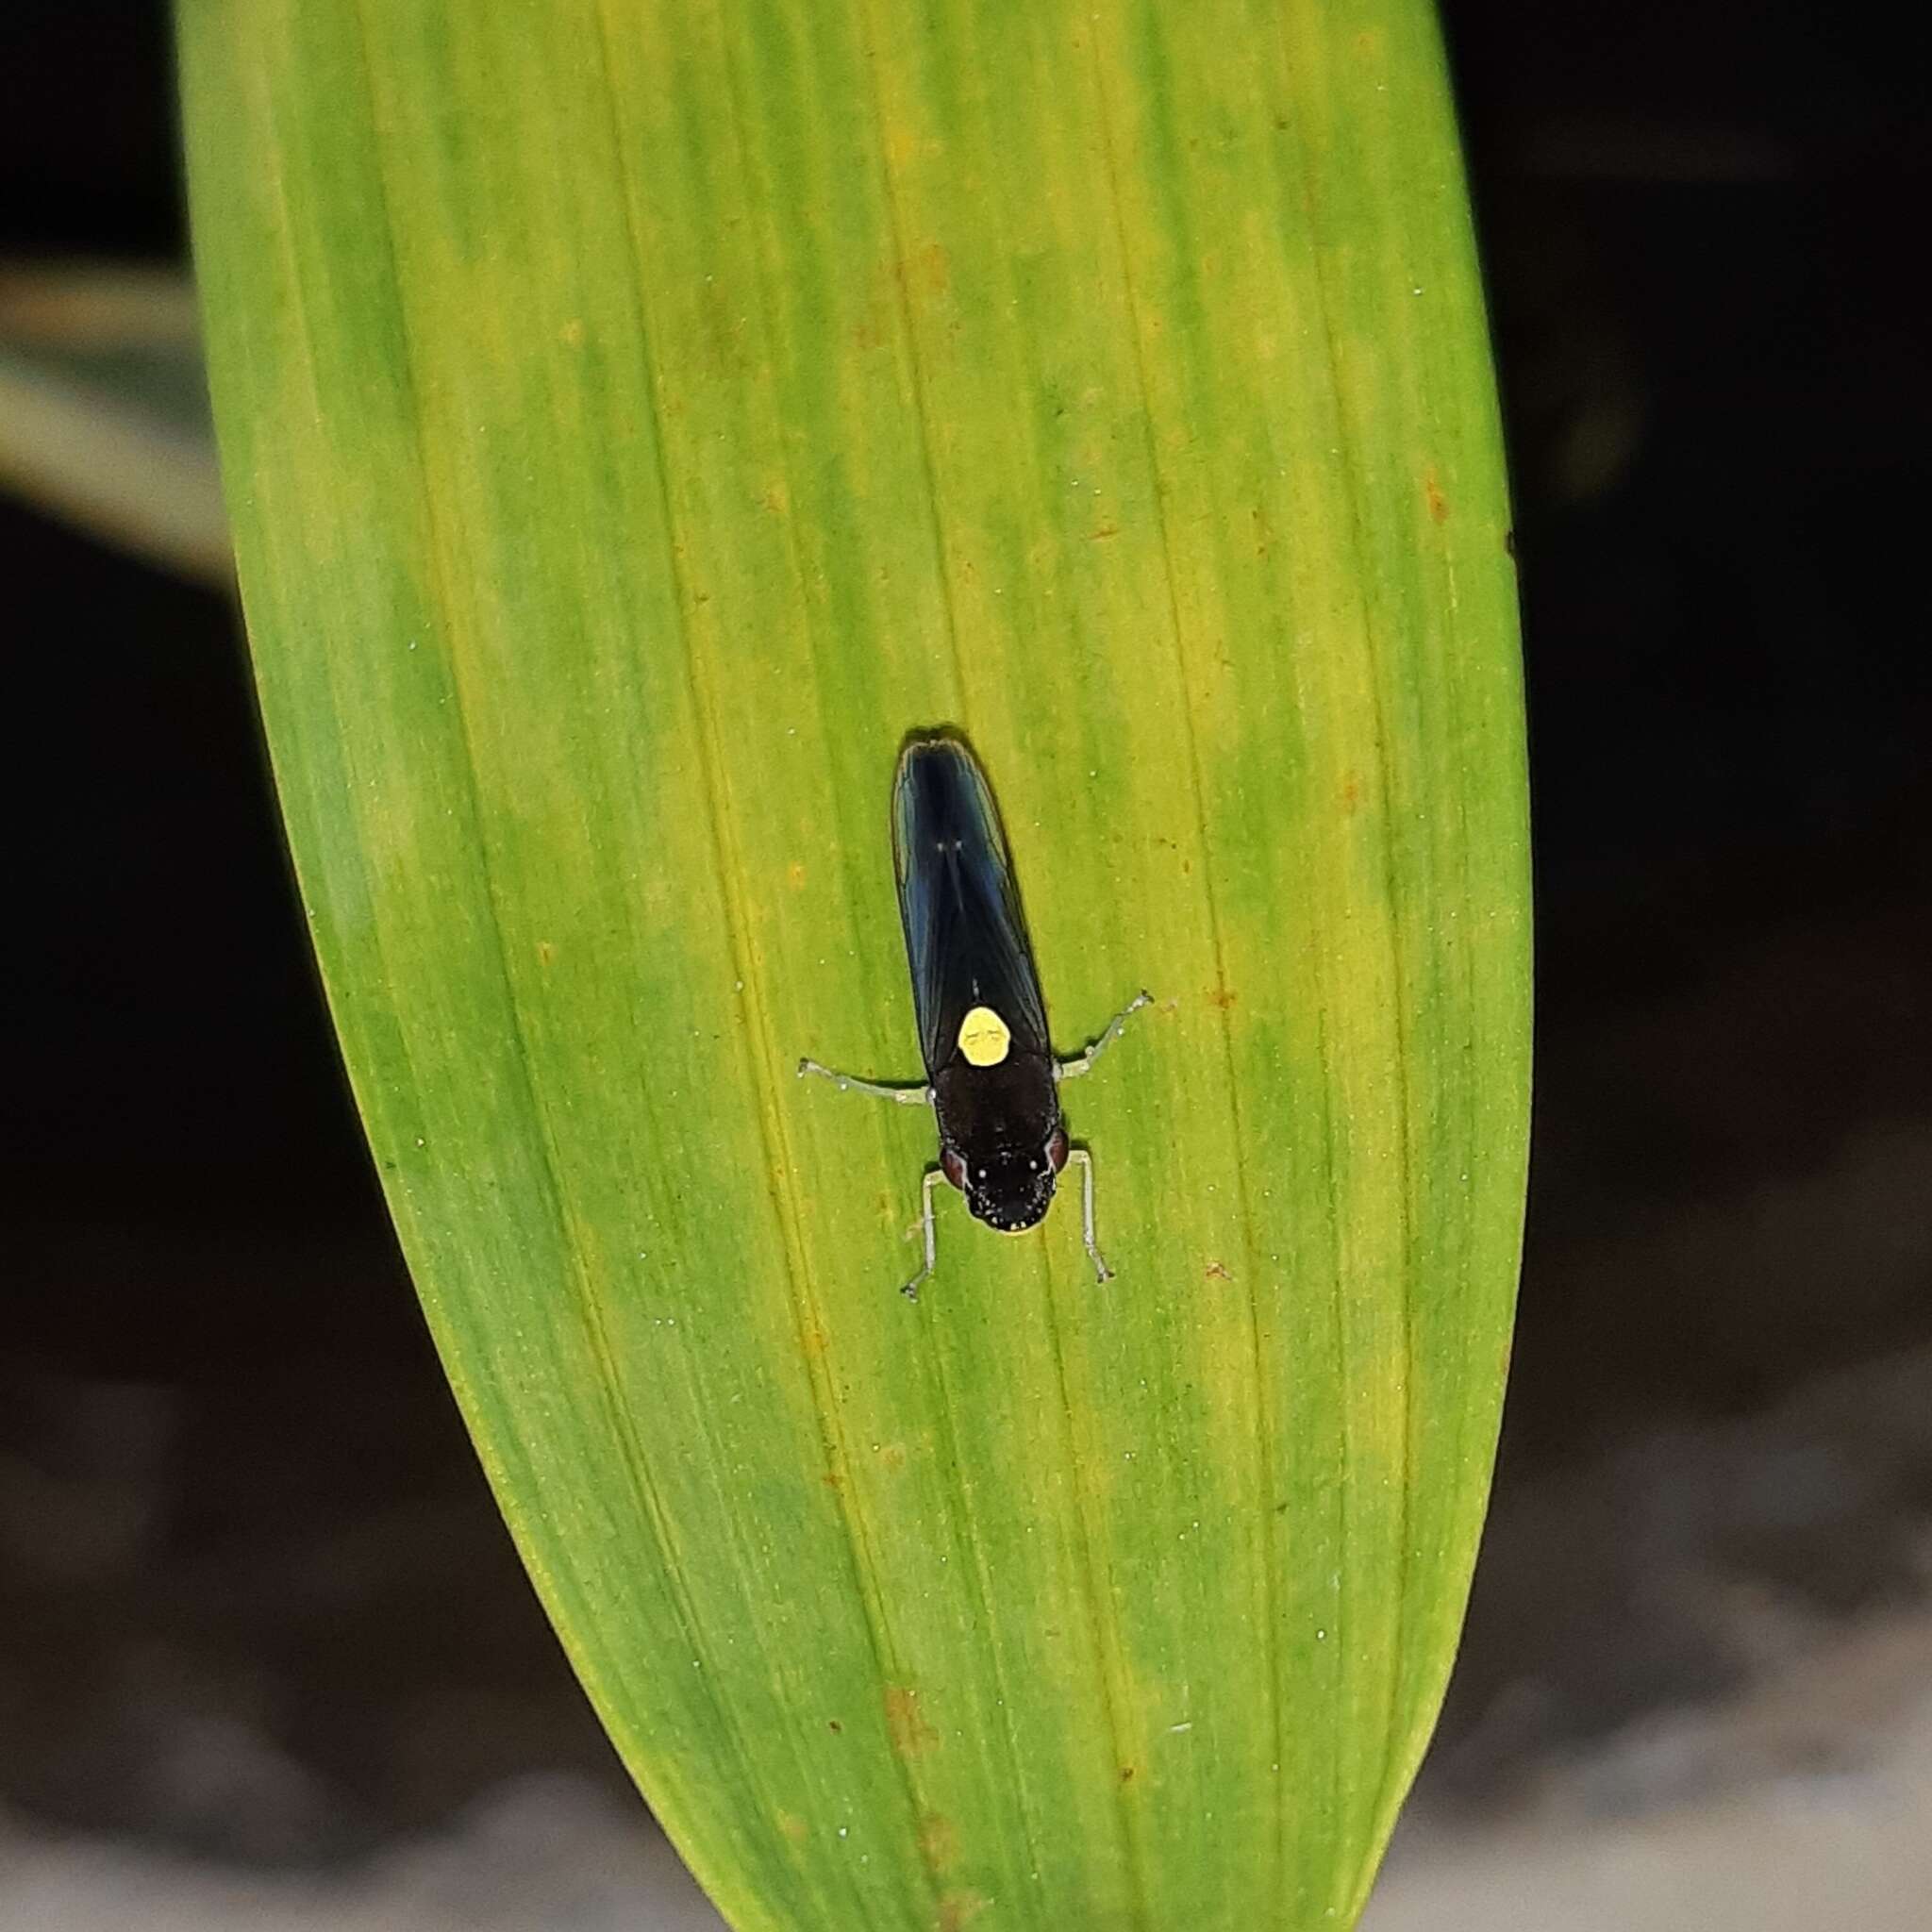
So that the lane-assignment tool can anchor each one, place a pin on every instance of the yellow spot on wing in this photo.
(984, 1037)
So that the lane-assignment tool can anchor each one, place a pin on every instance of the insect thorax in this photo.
(998, 1127)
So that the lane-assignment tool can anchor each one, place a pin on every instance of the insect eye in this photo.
(954, 1168)
(1057, 1152)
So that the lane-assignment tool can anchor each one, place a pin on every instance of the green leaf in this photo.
(637, 419)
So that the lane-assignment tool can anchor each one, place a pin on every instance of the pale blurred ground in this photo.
(1843, 1843)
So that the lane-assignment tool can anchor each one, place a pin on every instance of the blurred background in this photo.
(266, 1658)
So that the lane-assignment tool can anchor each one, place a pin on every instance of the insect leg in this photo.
(1084, 1160)
(933, 1177)
(906, 1096)
(1083, 1062)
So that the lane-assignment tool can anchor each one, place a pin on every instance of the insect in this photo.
(993, 1079)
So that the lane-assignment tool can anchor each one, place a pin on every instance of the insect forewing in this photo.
(965, 939)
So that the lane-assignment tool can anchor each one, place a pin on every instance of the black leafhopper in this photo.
(993, 1080)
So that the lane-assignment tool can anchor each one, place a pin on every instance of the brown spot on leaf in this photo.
(928, 272)
(1432, 492)
(893, 1454)
(910, 1733)
(832, 1723)
(1216, 1270)
(794, 875)
(939, 1841)
(792, 1826)
(1127, 1773)
(1351, 792)
(958, 1909)
(1223, 998)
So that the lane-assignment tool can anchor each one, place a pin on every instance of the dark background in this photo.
(254, 1600)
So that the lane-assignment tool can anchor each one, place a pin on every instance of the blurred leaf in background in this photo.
(104, 414)
(637, 419)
